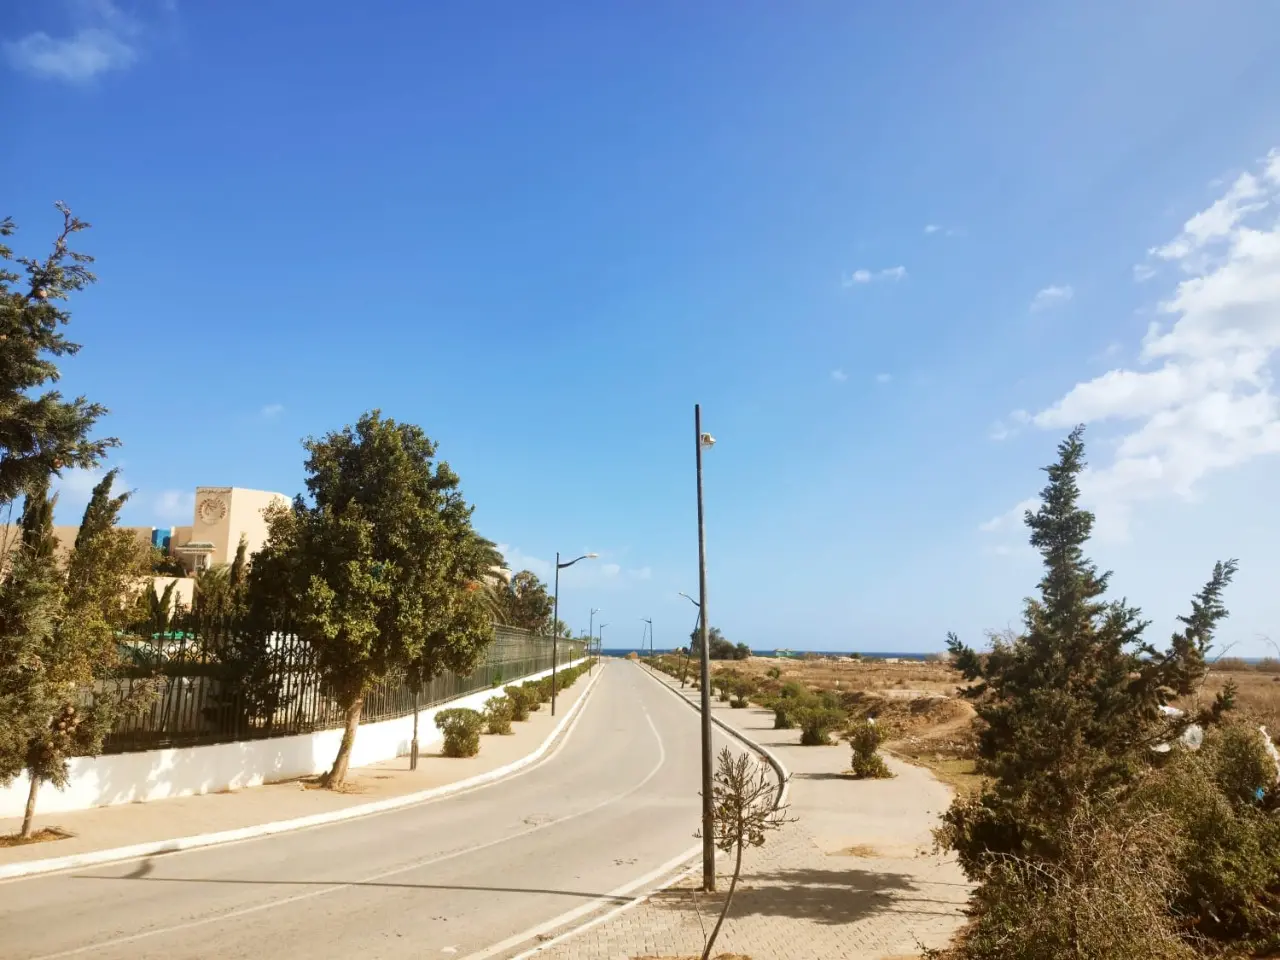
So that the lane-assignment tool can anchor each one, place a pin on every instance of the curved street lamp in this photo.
(555, 621)
(591, 637)
(688, 651)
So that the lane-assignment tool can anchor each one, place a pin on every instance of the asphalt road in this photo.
(468, 876)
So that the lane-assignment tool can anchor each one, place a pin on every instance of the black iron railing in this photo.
(208, 681)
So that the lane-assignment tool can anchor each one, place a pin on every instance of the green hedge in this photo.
(520, 702)
(461, 728)
(498, 714)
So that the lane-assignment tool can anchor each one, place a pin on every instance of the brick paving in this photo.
(855, 877)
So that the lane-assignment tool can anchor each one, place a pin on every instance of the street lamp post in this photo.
(701, 440)
(591, 638)
(688, 651)
(555, 621)
(600, 639)
(648, 621)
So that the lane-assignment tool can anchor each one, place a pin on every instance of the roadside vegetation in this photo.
(1102, 830)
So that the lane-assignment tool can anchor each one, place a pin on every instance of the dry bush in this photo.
(1109, 899)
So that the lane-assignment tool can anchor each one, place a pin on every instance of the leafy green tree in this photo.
(1070, 707)
(384, 563)
(58, 630)
(40, 432)
(721, 649)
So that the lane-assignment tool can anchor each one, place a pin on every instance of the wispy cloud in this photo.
(936, 229)
(271, 411)
(589, 573)
(104, 38)
(1203, 399)
(1010, 426)
(863, 276)
(839, 376)
(175, 506)
(1052, 296)
(883, 377)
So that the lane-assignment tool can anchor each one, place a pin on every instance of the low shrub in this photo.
(519, 698)
(741, 689)
(865, 738)
(1220, 801)
(461, 729)
(498, 714)
(774, 673)
(816, 723)
(1107, 898)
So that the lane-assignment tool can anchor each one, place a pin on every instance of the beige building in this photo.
(222, 516)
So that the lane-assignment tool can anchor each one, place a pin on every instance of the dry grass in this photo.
(39, 836)
(1257, 693)
(905, 678)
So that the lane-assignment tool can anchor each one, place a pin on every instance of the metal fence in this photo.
(209, 681)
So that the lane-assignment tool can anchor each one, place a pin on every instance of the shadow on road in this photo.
(142, 874)
(823, 896)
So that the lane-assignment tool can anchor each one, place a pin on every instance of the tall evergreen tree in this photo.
(1070, 707)
(57, 637)
(40, 432)
(382, 560)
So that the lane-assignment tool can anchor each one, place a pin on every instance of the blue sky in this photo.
(894, 250)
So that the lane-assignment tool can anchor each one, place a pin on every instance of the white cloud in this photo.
(1010, 426)
(1011, 518)
(1143, 272)
(931, 228)
(588, 573)
(176, 506)
(883, 377)
(105, 38)
(863, 276)
(1203, 399)
(1051, 296)
(839, 376)
(519, 560)
(271, 411)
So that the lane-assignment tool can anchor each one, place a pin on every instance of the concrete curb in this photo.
(784, 775)
(92, 858)
(784, 788)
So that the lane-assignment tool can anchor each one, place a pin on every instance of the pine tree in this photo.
(1070, 708)
(57, 637)
(40, 433)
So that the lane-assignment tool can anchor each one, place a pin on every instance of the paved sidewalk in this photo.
(855, 877)
(106, 828)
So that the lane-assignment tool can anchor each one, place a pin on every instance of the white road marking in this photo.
(559, 745)
(298, 898)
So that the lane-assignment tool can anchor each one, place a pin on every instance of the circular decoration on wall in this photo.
(212, 509)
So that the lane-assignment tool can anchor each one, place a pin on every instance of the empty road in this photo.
(469, 876)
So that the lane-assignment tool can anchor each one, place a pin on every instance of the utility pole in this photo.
(700, 440)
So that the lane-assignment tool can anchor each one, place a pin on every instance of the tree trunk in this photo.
(336, 775)
(728, 898)
(30, 813)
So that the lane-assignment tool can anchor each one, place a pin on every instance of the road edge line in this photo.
(784, 789)
(14, 871)
(784, 775)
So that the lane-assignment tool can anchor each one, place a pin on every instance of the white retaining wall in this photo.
(184, 771)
